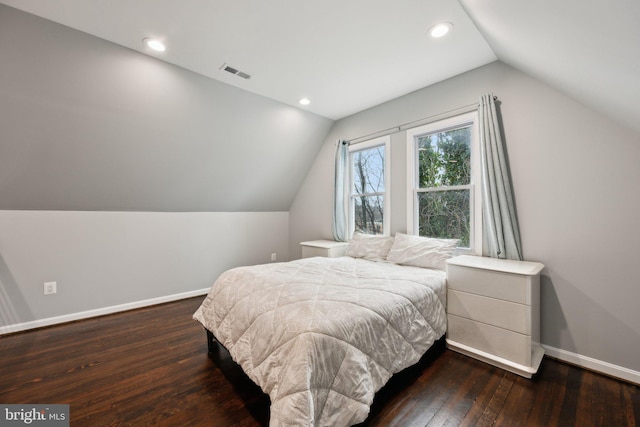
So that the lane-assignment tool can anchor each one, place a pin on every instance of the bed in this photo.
(321, 335)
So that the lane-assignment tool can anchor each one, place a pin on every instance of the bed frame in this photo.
(212, 343)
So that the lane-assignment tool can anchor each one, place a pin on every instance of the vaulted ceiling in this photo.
(346, 56)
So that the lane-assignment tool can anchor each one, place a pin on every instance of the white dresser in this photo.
(493, 311)
(325, 248)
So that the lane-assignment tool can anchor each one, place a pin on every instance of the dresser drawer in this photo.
(490, 339)
(495, 284)
(504, 314)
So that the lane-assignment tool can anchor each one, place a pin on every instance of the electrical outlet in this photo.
(273, 257)
(50, 288)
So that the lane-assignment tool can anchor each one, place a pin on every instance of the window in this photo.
(443, 181)
(368, 178)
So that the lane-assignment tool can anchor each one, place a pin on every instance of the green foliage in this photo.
(445, 160)
(445, 214)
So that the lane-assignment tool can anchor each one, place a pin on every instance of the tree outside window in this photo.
(367, 199)
(444, 178)
(443, 192)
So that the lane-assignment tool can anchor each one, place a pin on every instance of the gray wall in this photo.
(127, 179)
(89, 125)
(102, 260)
(575, 175)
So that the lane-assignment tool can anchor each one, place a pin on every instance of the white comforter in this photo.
(322, 335)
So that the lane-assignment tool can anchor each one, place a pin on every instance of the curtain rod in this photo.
(414, 123)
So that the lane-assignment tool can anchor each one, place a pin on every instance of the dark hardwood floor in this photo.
(150, 367)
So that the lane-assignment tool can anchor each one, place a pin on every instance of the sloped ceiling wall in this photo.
(589, 50)
(90, 125)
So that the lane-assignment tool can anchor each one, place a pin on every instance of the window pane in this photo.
(368, 170)
(445, 158)
(368, 214)
(445, 214)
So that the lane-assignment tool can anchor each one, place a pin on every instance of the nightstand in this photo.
(325, 248)
(493, 311)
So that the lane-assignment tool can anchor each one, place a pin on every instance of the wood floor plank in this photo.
(489, 400)
(573, 385)
(150, 367)
(494, 408)
(550, 391)
(463, 386)
(631, 406)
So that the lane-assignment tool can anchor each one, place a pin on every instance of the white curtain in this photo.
(339, 209)
(501, 232)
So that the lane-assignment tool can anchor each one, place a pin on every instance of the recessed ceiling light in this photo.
(154, 44)
(304, 101)
(440, 29)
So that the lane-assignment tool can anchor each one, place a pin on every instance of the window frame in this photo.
(384, 141)
(475, 196)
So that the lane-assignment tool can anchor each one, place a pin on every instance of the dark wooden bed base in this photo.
(212, 342)
(213, 345)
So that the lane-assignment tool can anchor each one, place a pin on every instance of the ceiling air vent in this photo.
(230, 69)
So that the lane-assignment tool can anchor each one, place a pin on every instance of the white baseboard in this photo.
(98, 312)
(594, 364)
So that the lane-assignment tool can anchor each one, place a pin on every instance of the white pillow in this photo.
(421, 251)
(371, 247)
